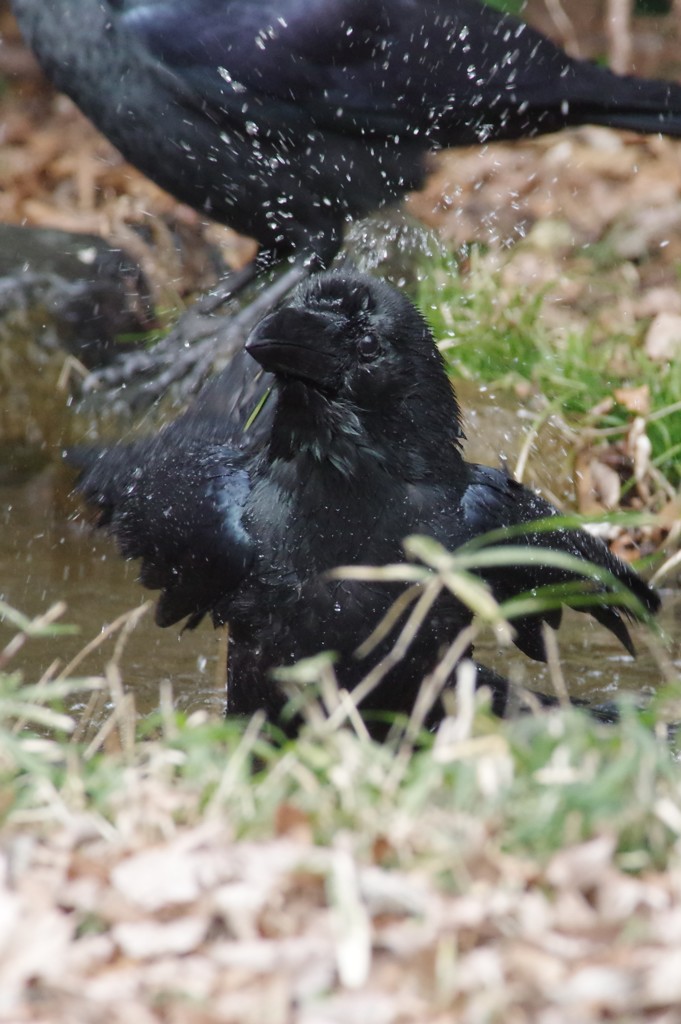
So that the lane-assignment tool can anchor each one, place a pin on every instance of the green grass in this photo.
(508, 6)
(534, 784)
(495, 336)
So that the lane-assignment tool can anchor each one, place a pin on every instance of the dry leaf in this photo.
(142, 940)
(663, 338)
(581, 867)
(636, 400)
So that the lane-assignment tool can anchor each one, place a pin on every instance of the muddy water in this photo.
(47, 555)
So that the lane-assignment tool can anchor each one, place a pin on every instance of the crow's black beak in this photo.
(297, 343)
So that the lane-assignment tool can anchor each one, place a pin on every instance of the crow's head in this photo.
(353, 351)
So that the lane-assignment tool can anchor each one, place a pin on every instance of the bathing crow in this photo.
(362, 449)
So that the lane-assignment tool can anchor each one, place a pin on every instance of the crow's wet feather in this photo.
(362, 448)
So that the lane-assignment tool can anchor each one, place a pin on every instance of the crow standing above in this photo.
(286, 119)
(363, 449)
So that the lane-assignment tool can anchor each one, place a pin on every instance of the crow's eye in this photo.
(368, 347)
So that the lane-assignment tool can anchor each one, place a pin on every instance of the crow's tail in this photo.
(637, 104)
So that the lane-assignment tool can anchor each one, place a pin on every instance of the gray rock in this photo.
(73, 292)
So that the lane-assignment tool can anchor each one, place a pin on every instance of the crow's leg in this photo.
(507, 700)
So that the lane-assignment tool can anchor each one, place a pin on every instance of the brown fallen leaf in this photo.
(597, 485)
(663, 338)
(582, 866)
(142, 940)
(636, 400)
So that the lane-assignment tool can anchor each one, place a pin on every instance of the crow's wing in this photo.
(452, 71)
(493, 500)
(177, 504)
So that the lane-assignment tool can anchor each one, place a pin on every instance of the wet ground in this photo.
(46, 557)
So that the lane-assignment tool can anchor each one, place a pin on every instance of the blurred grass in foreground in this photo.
(535, 783)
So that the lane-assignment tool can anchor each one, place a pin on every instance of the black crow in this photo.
(363, 448)
(285, 120)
